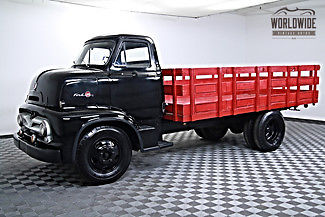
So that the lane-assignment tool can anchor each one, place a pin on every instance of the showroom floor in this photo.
(195, 177)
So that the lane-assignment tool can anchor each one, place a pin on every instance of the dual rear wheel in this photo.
(264, 132)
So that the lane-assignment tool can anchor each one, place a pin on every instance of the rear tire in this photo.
(238, 129)
(269, 131)
(199, 132)
(213, 133)
(103, 154)
(249, 134)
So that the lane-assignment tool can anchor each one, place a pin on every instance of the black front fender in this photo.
(120, 121)
(69, 126)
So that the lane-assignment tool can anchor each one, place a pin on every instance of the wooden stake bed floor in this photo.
(193, 93)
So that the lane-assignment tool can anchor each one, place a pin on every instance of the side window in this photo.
(134, 55)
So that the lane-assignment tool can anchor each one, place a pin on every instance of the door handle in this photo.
(129, 74)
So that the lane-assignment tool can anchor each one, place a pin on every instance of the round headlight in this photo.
(43, 129)
(20, 120)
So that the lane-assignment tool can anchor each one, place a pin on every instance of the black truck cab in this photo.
(114, 85)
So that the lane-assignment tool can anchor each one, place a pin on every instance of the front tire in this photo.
(103, 154)
(269, 131)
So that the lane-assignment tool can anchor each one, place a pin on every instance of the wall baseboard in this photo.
(6, 136)
(311, 121)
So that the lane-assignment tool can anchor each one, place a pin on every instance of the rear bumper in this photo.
(42, 154)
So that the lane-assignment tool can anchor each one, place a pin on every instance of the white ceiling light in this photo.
(186, 8)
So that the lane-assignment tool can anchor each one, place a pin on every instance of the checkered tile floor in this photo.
(195, 177)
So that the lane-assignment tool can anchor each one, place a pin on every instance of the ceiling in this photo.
(274, 6)
(181, 8)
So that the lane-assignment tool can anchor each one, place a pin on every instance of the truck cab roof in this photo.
(121, 36)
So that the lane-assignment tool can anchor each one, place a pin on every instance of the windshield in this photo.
(96, 54)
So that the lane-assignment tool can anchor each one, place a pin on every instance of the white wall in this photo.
(261, 49)
(35, 36)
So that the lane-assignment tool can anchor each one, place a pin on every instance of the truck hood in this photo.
(47, 88)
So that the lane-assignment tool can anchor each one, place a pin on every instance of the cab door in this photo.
(135, 82)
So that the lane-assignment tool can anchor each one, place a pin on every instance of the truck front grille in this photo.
(38, 126)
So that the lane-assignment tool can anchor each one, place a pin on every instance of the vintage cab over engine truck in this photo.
(116, 98)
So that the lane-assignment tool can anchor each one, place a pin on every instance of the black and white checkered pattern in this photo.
(195, 178)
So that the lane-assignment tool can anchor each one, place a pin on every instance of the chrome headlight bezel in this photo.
(20, 120)
(43, 129)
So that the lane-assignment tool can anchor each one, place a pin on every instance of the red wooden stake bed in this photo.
(194, 94)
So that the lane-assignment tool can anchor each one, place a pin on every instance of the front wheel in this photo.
(103, 154)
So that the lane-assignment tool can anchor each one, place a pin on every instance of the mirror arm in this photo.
(119, 66)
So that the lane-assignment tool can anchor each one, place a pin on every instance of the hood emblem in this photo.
(86, 94)
(35, 86)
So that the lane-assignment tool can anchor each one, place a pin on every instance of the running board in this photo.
(160, 145)
(164, 144)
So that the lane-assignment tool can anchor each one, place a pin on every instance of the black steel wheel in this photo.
(269, 131)
(214, 133)
(103, 154)
(249, 133)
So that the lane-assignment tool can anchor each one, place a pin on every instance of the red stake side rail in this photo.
(200, 93)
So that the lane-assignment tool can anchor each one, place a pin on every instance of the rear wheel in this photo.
(213, 133)
(269, 130)
(199, 132)
(103, 154)
(237, 129)
(249, 134)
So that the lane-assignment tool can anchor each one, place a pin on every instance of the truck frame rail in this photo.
(193, 94)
